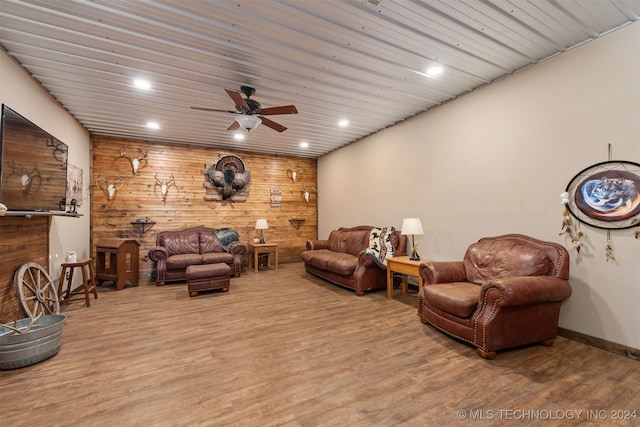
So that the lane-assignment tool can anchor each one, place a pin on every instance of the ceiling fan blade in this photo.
(241, 105)
(273, 125)
(285, 109)
(233, 126)
(213, 109)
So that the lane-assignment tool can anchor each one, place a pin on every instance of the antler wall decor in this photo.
(164, 185)
(137, 163)
(306, 194)
(26, 176)
(293, 173)
(110, 187)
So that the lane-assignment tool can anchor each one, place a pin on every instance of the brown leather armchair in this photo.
(505, 293)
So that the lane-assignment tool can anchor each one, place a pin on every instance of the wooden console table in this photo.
(262, 248)
(405, 266)
(117, 261)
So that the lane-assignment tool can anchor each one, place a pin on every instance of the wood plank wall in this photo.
(23, 240)
(185, 205)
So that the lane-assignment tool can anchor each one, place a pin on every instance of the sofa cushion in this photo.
(182, 261)
(217, 257)
(336, 241)
(336, 262)
(342, 264)
(180, 243)
(209, 243)
(459, 298)
(496, 259)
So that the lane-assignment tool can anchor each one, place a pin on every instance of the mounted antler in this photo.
(26, 177)
(110, 187)
(293, 173)
(307, 193)
(136, 162)
(164, 185)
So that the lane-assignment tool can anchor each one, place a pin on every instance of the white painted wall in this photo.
(496, 160)
(24, 95)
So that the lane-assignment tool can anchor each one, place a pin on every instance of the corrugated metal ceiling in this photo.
(364, 61)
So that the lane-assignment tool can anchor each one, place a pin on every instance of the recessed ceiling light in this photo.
(435, 70)
(304, 144)
(239, 136)
(153, 125)
(142, 84)
(343, 123)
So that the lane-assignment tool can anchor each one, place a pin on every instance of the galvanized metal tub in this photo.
(41, 342)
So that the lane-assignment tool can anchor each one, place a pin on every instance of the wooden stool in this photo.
(88, 283)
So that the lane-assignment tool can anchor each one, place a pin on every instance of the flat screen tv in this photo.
(33, 166)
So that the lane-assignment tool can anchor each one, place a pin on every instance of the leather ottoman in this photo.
(206, 277)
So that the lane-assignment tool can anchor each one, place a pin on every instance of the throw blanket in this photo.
(380, 247)
(226, 236)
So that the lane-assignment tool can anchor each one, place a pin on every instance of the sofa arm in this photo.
(317, 244)
(516, 291)
(159, 254)
(238, 248)
(442, 272)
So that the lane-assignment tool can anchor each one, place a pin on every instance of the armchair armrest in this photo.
(442, 272)
(158, 253)
(238, 248)
(514, 291)
(317, 244)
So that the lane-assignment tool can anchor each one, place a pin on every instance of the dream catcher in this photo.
(606, 196)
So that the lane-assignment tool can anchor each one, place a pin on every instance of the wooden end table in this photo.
(405, 266)
(262, 248)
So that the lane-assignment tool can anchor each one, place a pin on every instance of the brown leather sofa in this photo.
(505, 293)
(176, 250)
(341, 259)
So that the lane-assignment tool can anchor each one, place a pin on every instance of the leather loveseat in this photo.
(506, 292)
(341, 259)
(176, 250)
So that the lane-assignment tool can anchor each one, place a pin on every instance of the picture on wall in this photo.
(74, 184)
(606, 195)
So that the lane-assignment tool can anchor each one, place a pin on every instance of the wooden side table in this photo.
(88, 281)
(117, 261)
(262, 248)
(405, 266)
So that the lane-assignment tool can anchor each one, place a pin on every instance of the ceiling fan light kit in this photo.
(248, 122)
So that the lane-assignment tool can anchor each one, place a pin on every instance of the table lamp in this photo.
(412, 226)
(261, 224)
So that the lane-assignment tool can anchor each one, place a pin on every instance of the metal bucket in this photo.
(41, 342)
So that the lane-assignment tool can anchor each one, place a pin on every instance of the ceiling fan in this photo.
(249, 112)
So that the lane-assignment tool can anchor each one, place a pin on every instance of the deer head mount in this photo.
(109, 186)
(164, 185)
(26, 176)
(137, 163)
(306, 193)
(294, 173)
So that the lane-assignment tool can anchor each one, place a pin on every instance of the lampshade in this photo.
(261, 224)
(247, 121)
(411, 226)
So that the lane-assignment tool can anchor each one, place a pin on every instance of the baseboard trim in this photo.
(619, 349)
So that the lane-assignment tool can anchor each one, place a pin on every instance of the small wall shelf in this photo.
(143, 226)
(296, 222)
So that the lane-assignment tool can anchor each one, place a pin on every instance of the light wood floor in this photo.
(288, 349)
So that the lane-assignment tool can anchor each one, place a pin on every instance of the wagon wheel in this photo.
(35, 290)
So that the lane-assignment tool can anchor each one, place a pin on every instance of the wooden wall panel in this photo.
(185, 205)
(23, 240)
